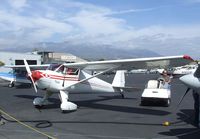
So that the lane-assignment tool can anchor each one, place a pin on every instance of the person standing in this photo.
(166, 79)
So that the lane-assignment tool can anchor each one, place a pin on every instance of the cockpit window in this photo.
(62, 69)
(53, 67)
(72, 71)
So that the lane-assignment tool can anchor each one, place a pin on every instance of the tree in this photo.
(1, 63)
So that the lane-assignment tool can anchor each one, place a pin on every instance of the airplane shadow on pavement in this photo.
(93, 103)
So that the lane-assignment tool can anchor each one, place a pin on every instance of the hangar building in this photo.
(54, 57)
(36, 58)
(12, 58)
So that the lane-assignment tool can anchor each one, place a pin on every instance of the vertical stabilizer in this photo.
(119, 79)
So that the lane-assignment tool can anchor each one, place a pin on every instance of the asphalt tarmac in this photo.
(99, 116)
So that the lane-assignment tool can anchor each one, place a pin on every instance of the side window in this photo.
(72, 71)
(67, 71)
(61, 69)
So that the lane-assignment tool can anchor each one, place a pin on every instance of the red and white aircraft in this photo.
(72, 77)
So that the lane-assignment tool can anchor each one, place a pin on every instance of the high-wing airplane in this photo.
(18, 74)
(183, 70)
(72, 77)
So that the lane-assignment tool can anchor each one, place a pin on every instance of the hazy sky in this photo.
(166, 26)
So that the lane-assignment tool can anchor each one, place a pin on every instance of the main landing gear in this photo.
(122, 95)
(11, 84)
(65, 104)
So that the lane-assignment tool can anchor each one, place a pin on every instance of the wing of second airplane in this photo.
(137, 63)
(33, 67)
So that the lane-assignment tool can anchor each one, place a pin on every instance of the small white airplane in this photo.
(13, 77)
(180, 71)
(183, 70)
(18, 74)
(72, 77)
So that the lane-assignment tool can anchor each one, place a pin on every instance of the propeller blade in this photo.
(33, 84)
(188, 89)
(27, 67)
(30, 74)
(166, 123)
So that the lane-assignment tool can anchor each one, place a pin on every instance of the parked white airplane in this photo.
(183, 70)
(179, 71)
(72, 77)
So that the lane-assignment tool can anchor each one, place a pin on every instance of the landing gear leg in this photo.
(11, 84)
(65, 104)
(122, 94)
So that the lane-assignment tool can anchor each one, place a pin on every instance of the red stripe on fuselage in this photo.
(36, 75)
(63, 77)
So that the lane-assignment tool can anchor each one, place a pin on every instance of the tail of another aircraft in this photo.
(119, 79)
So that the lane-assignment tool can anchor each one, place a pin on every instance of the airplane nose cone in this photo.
(184, 79)
(190, 81)
(36, 75)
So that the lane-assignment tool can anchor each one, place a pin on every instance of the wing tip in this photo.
(187, 57)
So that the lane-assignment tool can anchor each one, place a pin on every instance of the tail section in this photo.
(119, 79)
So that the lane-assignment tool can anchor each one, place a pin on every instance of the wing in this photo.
(138, 63)
(33, 67)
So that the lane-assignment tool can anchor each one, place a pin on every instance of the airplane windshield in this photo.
(62, 69)
(19, 72)
(53, 67)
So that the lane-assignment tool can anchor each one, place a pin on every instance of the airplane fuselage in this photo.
(11, 77)
(54, 82)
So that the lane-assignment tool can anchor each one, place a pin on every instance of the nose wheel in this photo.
(40, 102)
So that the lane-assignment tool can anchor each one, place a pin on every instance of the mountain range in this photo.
(90, 52)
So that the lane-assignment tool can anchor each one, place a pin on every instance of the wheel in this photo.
(11, 85)
(167, 102)
(123, 96)
(38, 106)
(143, 102)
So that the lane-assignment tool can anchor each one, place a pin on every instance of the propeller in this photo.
(167, 123)
(30, 74)
(188, 89)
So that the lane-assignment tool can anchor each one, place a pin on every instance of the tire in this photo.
(143, 102)
(38, 106)
(167, 102)
(11, 85)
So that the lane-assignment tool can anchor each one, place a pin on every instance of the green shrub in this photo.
(1, 63)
